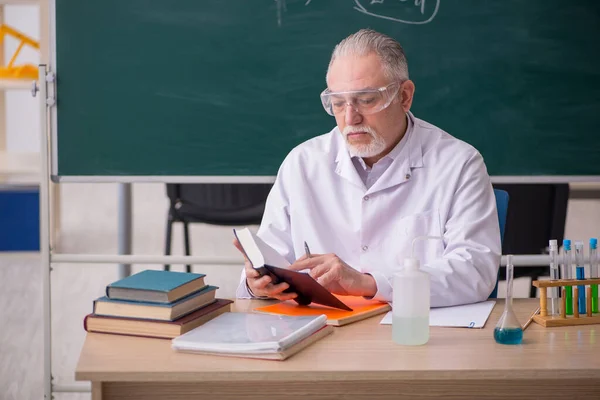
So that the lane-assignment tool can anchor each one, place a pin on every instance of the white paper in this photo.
(465, 316)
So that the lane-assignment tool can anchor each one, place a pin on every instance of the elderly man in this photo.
(360, 194)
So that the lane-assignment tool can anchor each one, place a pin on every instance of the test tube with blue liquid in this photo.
(580, 271)
(554, 301)
(508, 329)
(594, 272)
(567, 274)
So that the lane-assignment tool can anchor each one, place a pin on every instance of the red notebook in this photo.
(361, 309)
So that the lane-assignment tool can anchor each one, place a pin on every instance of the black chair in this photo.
(537, 213)
(213, 203)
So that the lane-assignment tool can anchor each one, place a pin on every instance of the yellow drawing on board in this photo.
(12, 71)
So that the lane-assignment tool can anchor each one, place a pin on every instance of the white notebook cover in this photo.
(234, 332)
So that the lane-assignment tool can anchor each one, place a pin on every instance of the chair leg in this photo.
(168, 241)
(186, 239)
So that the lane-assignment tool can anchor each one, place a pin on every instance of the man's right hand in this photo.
(262, 286)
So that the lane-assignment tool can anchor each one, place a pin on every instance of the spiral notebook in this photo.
(253, 335)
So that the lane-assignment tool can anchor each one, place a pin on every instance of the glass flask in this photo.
(508, 330)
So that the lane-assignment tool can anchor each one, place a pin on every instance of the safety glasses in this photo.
(368, 101)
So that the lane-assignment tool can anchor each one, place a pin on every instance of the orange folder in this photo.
(362, 308)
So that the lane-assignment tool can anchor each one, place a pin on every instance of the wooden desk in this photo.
(357, 361)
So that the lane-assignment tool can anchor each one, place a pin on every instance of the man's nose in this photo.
(352, 117)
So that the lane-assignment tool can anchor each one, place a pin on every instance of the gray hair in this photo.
(367, 41)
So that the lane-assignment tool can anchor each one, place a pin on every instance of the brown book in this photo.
(154, 328)
(162, 311)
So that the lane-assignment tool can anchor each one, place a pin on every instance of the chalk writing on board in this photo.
(426, 10)
(281, 8)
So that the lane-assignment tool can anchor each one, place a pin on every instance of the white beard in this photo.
(375, 147)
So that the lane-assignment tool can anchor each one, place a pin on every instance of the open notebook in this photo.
(465, 316)
(267, 261)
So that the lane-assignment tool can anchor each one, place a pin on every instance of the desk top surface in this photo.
(362, 350)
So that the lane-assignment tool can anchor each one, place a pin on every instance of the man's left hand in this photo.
(336, 276)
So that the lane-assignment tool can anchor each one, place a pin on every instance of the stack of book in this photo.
(151, 303)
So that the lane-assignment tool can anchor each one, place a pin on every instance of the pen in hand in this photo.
(306, 250)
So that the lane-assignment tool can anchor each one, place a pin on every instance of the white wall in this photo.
(22, 112)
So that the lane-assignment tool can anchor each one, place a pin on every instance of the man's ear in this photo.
(406, 93)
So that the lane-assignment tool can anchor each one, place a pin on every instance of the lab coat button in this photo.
(366, 198)
(365, 248)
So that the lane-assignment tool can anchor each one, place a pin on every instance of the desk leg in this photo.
(96, 390)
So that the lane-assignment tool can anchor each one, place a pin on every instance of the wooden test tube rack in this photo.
(566, 320)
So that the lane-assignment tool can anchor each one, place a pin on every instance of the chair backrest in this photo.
(537, 213)
(502, 207)
(218, 204)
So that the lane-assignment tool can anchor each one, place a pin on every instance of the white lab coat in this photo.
(437, 185)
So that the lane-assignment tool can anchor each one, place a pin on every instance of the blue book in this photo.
(156, 286)
(155, 311)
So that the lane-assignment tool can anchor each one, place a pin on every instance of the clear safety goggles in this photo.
(368, 101)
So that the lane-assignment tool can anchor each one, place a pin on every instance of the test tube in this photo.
(566, 274)
(554, 301)
(580, 271)
(594, 272)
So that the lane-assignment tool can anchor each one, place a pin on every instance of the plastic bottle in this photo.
(411, 300)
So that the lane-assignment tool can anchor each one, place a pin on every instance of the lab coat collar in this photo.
(400, 171)
(344, 166)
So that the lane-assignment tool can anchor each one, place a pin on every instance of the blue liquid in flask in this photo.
(508, 329)
(508, 335)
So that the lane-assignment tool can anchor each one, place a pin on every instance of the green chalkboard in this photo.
(227, 88)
